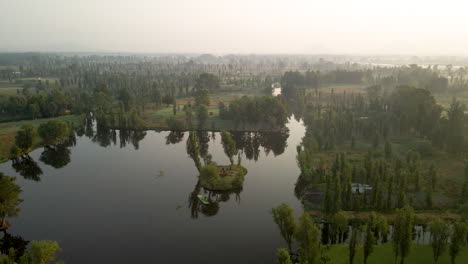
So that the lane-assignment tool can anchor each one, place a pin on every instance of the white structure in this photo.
(360, 188)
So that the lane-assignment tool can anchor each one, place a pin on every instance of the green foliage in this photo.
(267, 110)
(455, 135)
(202, 115)
(202, 97)
(9, 197)
(53, 130)
(15, 152)
(388, 150)
(229, 145)
(368, 242)
(283, 256)
(403, 232)
(231, 179)
(353, 243)
(308, 238)
(284, 218)
(193, 148)
(43, 252)
(440, 233)
(457, 239)
(174, 124)
(207, 81)
(24, 138)
(209, 172)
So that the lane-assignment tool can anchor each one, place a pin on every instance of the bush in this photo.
(175, 124)
(53, 130)
(209, 172)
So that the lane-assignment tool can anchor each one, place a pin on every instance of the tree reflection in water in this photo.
(249, 143)
(214, 198)
(27, 167)
(58, 156)
(11, 241)
(174, 137)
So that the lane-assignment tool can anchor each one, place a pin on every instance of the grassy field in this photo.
(383, 254)
(9, 88)
(156, 118)
(8, 132)
(339, 89)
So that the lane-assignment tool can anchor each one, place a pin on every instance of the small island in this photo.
(222, 178)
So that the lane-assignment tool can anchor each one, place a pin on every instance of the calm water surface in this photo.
(107, 200)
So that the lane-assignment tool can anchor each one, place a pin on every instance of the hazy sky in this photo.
(237, 26)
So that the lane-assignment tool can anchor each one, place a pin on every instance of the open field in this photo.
(8, 132)
(339, 89)
(383, 254)
(9, 88)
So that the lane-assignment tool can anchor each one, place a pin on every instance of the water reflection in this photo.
(58, 156)
(174, 137)
(250, 143)
(27, 167)
(213, 197)
(11, 241)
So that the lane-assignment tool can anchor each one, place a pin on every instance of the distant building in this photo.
(360, 188)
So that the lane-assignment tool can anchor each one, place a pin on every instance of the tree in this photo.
(433, 176)
(229, 145)
(284, 218)
(24, 138)
(283, 256)
(202, 97)
(43, 252)
(454, 128)
(429, 199)
(202, 115)
(403, 233)
(308, 237)
(207, 81)
(457, 240)
(369, 241)
(440, 233)
(53, 130)
(193, 148)
(9, 198)
(388, 150)
(353, 243)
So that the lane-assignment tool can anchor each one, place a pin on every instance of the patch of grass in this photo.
(383, 254)
(222, 178)
(9, 91)
(8, 132)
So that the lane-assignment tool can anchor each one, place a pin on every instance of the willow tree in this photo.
(284, 218)
(457, 240)
(229, 145)
(9, 198)
(308, 237)
(403, 233)
(283, 256)
(440, 233)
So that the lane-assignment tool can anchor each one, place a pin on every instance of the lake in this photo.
(128, 197)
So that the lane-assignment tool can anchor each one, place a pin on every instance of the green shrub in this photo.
(175, 124)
